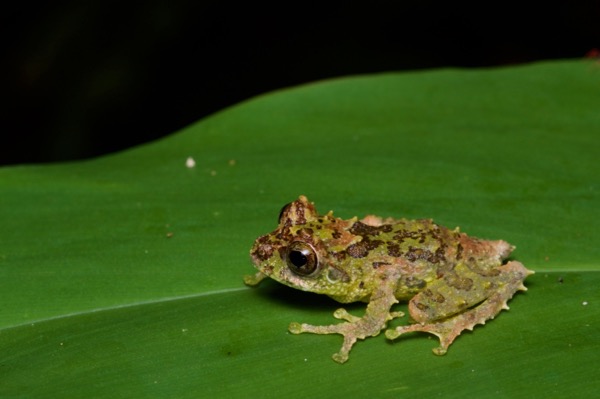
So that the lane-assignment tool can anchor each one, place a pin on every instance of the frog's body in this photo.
(452, 281)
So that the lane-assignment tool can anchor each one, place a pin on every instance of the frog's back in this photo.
(424, 251)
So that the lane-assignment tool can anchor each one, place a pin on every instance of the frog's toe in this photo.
(394, 315)
(295, 328)
(440, 350)
(392, 334)
(342, 314)
(254, 279)
(299, 328)
(340, 357)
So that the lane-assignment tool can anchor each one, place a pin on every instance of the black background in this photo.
(81, 79)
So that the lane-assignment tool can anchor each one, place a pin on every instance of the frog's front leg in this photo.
(455, 313)
(254, 279)
(375, 319)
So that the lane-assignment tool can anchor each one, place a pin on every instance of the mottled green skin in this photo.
(444, 273)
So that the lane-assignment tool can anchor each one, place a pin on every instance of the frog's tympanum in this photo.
(452, 281)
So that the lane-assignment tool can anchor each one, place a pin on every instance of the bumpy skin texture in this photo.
(452, 281)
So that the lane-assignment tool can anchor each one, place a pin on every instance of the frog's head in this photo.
(306, 252)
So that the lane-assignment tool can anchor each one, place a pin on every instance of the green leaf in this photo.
(122, 276)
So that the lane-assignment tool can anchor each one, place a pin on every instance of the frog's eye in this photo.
(301, 258)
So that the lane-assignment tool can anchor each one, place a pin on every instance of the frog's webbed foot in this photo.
(449, 328)
(353, 329)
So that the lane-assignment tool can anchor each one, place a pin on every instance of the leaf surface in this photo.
(122, 276)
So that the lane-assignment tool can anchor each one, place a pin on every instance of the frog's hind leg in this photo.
(447, 328)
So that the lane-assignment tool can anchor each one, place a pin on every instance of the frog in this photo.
(451, 281)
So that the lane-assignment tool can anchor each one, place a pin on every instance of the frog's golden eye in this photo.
(301, 258)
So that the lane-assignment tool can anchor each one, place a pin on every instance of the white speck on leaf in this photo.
(190, 163)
